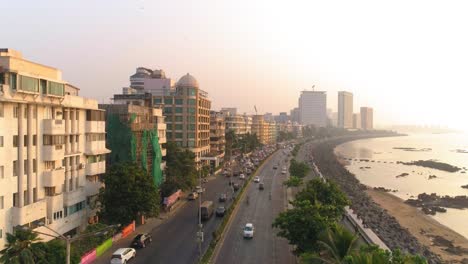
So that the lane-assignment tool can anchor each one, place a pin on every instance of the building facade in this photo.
(52, 150)
(239, 124)
(187, 112)
(367, 118)
(217, 139)
(313, 108)
(150, 81)
(356, 121)
(345, 109)
(265, 131)
(136, 132)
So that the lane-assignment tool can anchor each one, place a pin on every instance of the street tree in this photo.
(21, 247)
(293, 181)
(298, 168)
(181, 172)
(129, 193)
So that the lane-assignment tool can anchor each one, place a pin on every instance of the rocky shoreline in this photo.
(433, 203)
(376, 218)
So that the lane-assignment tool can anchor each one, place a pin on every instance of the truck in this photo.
(207, 210)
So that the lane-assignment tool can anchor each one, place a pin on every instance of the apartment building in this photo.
(345, 109)
(187, 112)
(217, 139)
(313, 108)
(265, 131)
(235, 122)
(136, 131)
(367, 118)
(52, 150)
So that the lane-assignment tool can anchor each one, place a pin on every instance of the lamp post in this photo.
(68, 239)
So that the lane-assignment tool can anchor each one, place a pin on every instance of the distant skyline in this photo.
(405, 59)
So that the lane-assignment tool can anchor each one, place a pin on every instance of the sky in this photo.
(406, 59)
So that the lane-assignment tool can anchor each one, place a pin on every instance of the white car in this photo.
(199, 189)
(123, 255)
(241, 176)
(248, 230)
(283, 172)
(257, 179)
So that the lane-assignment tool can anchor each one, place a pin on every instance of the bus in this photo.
(206, 210)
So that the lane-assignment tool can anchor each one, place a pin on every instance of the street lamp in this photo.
(69, 239)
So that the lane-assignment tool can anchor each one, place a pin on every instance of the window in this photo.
(192, 92)
(192, 101)
(1, 202)
(1, 233)
(25, 166)
(95, 115)
(43, 85)
(95, 137)
(29, 84)
(157, 101)
(1, 141)
(178, 110)
(178, 135)
(76, 207)
(178, 127)
(13, 81)
(34, 140)
(56, 88)
(2, 175)
(53, 140)
(179, 118)
(34, 165)
(15, 141)
(191, 144)
(167, 110)
(179, 101)
(191, 135)
(191, 127)
(1, 109)
(191, 119)
(15, 199)
(49, 165)
(15, 111)
(168, 101)
(191, 110)
(49, 191)
(25, 140)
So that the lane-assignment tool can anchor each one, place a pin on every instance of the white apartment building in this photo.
(367, 118)
(345, 109)
(313, 108)
(52, 149)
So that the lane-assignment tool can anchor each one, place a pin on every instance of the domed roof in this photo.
(187, 81)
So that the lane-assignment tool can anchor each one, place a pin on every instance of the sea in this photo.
(382, 168)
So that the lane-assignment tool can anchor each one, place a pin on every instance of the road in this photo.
(265, 247)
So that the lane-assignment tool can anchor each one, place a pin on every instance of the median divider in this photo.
(219, 234)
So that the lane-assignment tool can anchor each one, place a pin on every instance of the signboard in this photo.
(168, 201)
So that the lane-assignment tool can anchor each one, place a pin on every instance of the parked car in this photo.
(199, 189)
(283, 172)
(193, 196)
(123, 255)
(236, 186)
(141, 240)
(241, 176)
(257, 179)
(275, 167)
(222, 197)
(248, 230)
(261, 186)
(220, 211)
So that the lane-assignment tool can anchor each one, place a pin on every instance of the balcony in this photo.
(29, 213)
(75, 196)
(54, 177)
(161, 126)
(92, 188)
(96, 168)
(52, 152)
(53, 126)
(95, 127)
(95, 147)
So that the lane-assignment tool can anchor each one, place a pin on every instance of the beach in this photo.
(424, 228)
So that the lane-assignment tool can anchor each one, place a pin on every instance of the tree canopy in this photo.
(298, 169)
(21, 247)
(129, 193)
(181, 171)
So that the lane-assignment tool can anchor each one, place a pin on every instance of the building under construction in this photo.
(135, 132)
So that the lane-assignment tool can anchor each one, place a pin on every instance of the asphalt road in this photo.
(265, 246)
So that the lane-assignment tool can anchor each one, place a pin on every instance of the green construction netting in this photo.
(123, 144)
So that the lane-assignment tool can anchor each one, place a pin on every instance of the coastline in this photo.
(427, 230)
(386, 226)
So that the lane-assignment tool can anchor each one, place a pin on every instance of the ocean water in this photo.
(448, 148)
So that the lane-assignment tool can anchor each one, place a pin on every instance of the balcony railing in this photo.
(29, 213)
(54, 177)
(53, 126)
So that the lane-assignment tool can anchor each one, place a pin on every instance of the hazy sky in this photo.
(407, 59)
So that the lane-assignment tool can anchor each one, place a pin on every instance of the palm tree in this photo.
(21, 247)
(336, 243)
